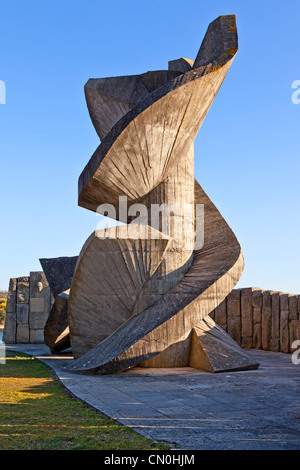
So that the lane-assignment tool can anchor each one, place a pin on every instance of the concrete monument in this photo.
(142, 292)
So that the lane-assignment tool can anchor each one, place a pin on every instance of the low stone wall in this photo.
(27, 310)
(258, 319)
(254, 318)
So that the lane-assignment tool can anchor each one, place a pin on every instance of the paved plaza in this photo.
(190, 409)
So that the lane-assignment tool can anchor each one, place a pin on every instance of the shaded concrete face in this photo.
(56, 331)
(59, 272)
(120, 312)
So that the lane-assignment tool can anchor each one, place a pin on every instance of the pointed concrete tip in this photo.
(220, 41)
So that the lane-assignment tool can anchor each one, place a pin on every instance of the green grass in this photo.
(36, 413)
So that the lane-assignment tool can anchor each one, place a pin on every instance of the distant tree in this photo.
(2, 309)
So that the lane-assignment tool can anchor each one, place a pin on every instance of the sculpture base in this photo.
(207, 348)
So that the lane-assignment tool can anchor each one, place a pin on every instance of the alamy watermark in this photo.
(296, 354)
(179, 222)
(2, 353)
(2, 92)
(296, 93)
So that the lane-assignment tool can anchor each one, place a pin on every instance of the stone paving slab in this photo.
(190, 409)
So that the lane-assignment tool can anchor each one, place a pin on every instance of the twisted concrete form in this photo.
(59, 273)
(141, 294)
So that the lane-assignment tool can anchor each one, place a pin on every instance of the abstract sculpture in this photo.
(142, 292)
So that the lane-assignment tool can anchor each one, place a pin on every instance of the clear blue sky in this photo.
(246, 153)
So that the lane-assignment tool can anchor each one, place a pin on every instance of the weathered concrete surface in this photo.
(213, 274)
(112, 271)
(164, 123)
(190, 409)
(147, 124)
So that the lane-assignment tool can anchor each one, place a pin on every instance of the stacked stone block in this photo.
(254, 318)
(257, 298)
(39, 306)
(234, 325)
(10, 330)
(260, 319)
(275, 327)
(294, 321)
(28, 307)
(22, 310)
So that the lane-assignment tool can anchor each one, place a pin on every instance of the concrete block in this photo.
(284, 331)
(234, 303)
(247, 343)
(257, 336)
(38, 284)
(23, 279)
(37, 336)
(40, 295)
(257, 315)
(257, 298)
(275, 328)
(293, 307)
(37, 305)
(275, 344)
(266, 320)
(246, 312)
(22, 334)
(22, 314)
(294, 333)
(37, 320)
(10, 328)
(234, 328)
(23, 296)
(284, 301)
(12, 296)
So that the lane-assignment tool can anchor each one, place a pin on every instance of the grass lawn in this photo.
(36, 413)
